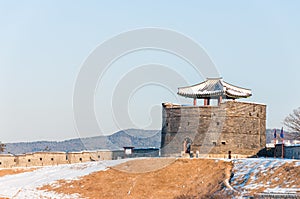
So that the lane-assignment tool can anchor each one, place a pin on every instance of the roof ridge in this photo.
(213, 87)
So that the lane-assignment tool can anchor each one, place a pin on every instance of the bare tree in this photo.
(47, 149)
(2, 147)
(292, 121)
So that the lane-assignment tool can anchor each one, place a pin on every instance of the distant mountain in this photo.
(131, 137)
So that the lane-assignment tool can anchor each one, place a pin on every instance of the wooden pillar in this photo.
(220, 100)
(205, 102)
(195, 101)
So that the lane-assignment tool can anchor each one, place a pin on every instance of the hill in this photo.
(131, 137)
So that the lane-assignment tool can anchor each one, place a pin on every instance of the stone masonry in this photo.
(238, 127)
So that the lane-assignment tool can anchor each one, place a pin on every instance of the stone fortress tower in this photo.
(227, 128)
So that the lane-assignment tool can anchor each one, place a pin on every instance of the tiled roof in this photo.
(214, 87)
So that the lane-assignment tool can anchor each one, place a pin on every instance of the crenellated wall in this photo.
(55, 158)
(40, 159)
(233, 126)
(7, 160)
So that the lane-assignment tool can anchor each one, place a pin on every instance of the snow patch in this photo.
(25, 185)
(281, 190)
(247, 171)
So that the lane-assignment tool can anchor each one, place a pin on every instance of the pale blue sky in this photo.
(254, 44)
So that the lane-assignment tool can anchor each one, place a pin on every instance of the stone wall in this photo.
(77, 157)
(55, 158)
(278, 150)
(43, 159)
(85, 156)
(7, 161)
(144, 152)
(233, 126)
(290, 152)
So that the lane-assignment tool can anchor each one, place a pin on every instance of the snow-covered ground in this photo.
(250, 173)
(25, 185)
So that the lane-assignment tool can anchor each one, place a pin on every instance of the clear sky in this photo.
(43, 44)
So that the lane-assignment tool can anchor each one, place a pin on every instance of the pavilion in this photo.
(214, 88)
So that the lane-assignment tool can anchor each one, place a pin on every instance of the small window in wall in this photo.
(188, 123)
(41, 159)
(15, 160)
(99, 156)
(28, 160)
(223, 143)
(66, 157)
(52, 159)
(167, 124)
(0, 163)
(218, 123)
(214, 143)
(80, 159)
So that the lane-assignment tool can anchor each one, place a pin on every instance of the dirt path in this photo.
(182, 178)
(228, 173)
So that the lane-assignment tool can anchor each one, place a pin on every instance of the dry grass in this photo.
(182, 178)
(285, 176)
(4, 172)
